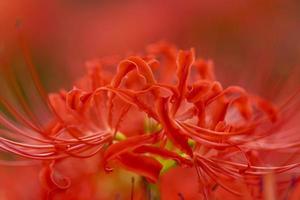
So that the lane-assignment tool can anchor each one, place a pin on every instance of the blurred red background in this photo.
(62, 35)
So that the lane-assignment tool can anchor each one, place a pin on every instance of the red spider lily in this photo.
(164, 105)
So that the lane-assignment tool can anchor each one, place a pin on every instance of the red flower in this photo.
(163, 105)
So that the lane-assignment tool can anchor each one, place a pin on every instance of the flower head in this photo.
(158, 106)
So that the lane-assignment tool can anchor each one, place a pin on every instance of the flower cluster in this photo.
(161, 105)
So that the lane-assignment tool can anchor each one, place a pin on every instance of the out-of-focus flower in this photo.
(159, 110)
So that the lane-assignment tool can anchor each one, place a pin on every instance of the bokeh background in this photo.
(237, 35)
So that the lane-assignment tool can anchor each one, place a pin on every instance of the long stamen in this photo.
(16, 88)
(30, 65)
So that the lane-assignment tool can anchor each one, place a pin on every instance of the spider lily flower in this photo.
(161, 105)
(51, 140)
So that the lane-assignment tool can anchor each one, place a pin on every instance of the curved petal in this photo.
(170, 128)
(140, 164)
(133, 142)
(164, 153)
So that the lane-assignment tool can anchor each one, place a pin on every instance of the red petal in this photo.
(140, 164)
(131, 97)
(205, 69)
(185, 59)
(243, 105)
(128, 65)
(218, 112)
(133, 142)
(52, 180)
(73, 99)
(267, 108)
(164, 153)
(166, 53)
(198, 90)
(172, 131)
